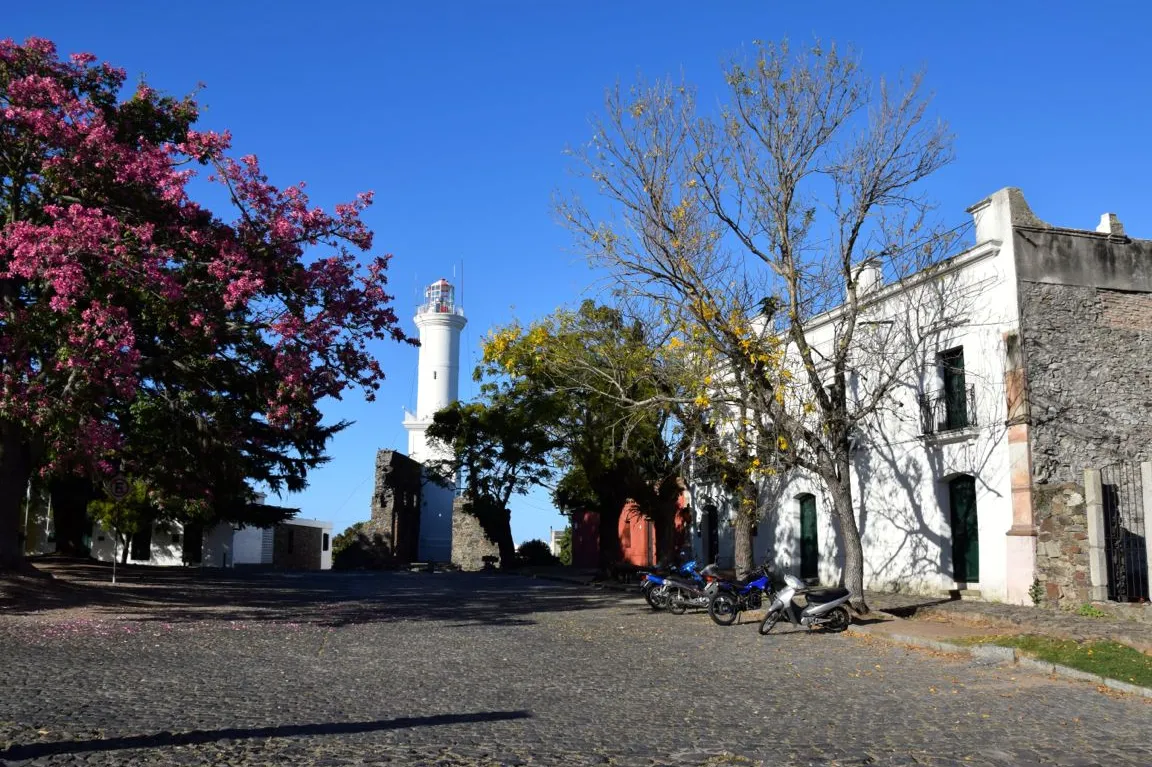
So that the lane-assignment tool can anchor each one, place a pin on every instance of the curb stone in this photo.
(1010, 655)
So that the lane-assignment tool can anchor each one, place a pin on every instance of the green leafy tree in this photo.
(565, 544)
(618, 437)
(503, 447)
(126, 517)
(347, 538)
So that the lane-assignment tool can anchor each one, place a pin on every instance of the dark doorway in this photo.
(809, 543)
(965, 533)
(712, 527)
(193, 552)
(142, 543)
(1125, 531)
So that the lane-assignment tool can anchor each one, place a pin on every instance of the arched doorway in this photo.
(965, 532)
(712, 528)
(809, 542)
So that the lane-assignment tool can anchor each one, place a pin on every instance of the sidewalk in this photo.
(923, 616)
(937, 619)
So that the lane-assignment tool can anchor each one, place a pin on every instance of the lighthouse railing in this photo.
(434, 307)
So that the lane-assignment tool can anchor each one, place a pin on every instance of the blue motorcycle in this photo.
(656, 587)
(727, 599)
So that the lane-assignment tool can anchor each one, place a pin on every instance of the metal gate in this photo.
(1124, 532)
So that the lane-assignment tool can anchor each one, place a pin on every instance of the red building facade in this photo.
(635, 533)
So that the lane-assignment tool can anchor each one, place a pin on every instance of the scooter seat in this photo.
(826, 595)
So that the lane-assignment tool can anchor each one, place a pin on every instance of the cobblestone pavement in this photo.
(451, 669)
(1130, 624)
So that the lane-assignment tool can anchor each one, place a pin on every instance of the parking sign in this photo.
(118, 487)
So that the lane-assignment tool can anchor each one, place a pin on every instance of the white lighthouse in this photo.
(439, 321)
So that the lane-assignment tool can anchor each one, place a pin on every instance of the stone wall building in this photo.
(396, 502)
(302, 544)
(1029, 361)
(470, 544)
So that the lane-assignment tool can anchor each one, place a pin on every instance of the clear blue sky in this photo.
(457, 114)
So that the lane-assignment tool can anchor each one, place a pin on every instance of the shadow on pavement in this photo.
(195, 737)
(175, 595)
(907, 611)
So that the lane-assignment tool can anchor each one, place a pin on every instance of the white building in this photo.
(294, 543)
(439, 320)
(948, 478)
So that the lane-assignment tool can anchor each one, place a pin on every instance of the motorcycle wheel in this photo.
(838, 620)
(770, 621)
(652, 598)
(657, 597)
(723, 609)
(676, 604)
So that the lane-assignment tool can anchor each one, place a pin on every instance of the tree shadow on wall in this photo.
(907, 498)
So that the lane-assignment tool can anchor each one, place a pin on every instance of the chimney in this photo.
(868, 276)
(1110, 224)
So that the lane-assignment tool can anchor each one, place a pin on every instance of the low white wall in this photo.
(248, 545)
(167, 546)
(218, 546)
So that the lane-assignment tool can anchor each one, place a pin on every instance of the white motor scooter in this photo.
(824, 608)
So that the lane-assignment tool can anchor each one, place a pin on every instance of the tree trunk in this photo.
(664, 522)
(70, 497)
(743, 544)
(610, 551)
(504, 541)
(15, 468)
(125, 542)
(841, 491)
(665, 515)
(496, 522)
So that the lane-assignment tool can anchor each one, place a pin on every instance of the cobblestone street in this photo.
(346, 669)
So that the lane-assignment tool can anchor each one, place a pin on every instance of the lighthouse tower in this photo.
(440, 321)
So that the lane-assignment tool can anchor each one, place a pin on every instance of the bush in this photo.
(354, 550)
(535, 553)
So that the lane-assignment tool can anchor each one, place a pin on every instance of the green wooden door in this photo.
(955, 389)
(809, 548)
(965, 535)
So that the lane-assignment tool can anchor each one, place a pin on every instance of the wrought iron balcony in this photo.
(948, 409)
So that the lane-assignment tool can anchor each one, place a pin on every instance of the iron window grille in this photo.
(948, 409)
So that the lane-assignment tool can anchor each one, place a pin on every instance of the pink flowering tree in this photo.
(141, 332)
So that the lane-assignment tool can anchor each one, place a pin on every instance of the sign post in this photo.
(117, 489)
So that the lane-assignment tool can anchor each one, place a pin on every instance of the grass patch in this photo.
(1111, 659)
(1089, 610)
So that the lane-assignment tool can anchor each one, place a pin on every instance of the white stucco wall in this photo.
(900, 475)
(218, 546)
(248, 546)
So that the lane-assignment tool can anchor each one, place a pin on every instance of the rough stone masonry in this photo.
(1086, 326)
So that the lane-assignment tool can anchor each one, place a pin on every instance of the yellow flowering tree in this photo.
(614, 419)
